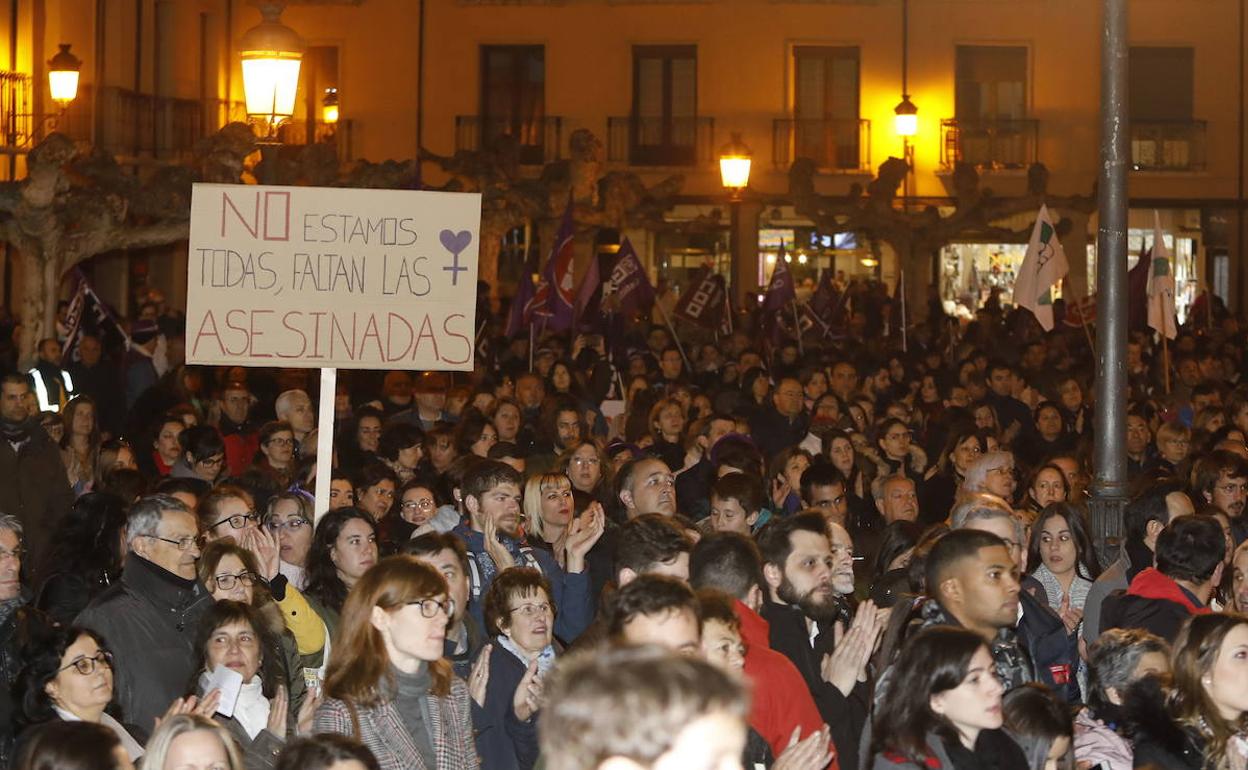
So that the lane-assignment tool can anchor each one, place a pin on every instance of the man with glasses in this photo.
(1221, 478)
(150, 617)
(240, 434)
(784, 422)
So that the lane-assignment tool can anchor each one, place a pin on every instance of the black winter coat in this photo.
(149, 620)
(35, 489)
(1159, 741)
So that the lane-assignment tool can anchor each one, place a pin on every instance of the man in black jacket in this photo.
(1160, 599)
(33, 485)
(784, 422)
(18, 623)
(804, 606)
(150, 618)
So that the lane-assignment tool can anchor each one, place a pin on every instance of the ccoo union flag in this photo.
(1043, 266)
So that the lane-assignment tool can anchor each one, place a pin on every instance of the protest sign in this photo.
(326, 277)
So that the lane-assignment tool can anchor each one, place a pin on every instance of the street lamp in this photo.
(735, 160)
(906, 118)
(271, 54)
(329, 107)
(63, 72)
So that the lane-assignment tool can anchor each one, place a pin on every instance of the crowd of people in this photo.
(642, 552)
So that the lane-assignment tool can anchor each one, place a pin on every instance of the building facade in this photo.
(999, 84)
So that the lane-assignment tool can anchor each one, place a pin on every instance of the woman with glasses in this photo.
(289, 519)
(419, 511)
(233, 573)
(233, 636)
(227, 512)
(506, 680)
(203, 457)
(388, 684)
(275, 457)
(68, 676)
(589, 469)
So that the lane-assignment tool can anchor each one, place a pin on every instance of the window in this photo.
(991, 83)
(990, 129)
(513, 97)
(1161, 83)
(664, 125)
(1160, 95)
(825, 105)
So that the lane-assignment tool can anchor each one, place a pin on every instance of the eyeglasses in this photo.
(429, 608)
(586, 461)
(226, 581)
(16, 553)
(290, 525)
(238, 520)
(182, 543)
(212, 462)
(425, 504)
(532, 610)
(86, 666)
(282, 441)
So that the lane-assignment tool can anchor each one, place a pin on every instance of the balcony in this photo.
(134, 125)
(835, 145)
(661, 141)
(540, 139)
(301, 132)
(1177, 145)
(989, 144)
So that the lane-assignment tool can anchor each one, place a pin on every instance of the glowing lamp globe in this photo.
(734, 165)
(906, 117)
(63, 76)
(271, 55)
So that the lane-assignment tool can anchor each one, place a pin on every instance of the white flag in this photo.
(1161, 316)
(1043, 266)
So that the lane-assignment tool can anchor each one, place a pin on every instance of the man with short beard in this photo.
(495, 542)
(807, 589)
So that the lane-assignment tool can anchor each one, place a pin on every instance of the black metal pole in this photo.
(1109, 484)
(738, 286)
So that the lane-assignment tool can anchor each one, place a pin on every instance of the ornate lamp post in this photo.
(63, 72)
(271, 55)
(735, 160)
(329, 107)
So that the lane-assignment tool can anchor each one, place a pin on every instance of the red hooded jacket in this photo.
(781, 700)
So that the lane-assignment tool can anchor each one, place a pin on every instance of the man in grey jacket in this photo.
(149, 619)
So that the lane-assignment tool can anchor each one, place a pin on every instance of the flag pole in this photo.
(675, 336)
(902, 291)
(797, 324)
(1083, 320)
(1165, 344)
(531, 344)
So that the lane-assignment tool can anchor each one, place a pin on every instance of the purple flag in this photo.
(554, 300)
(780, 292)
(628, 284)
(521, 314)
(589, 293)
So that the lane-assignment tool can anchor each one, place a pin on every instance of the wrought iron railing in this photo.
(660, 141)
(989, 144)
